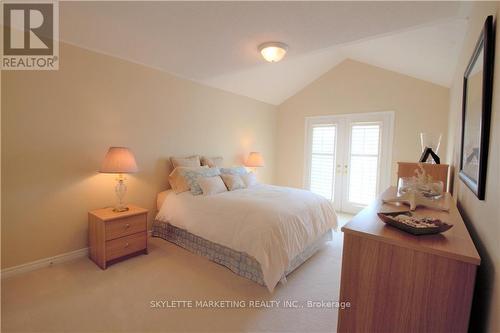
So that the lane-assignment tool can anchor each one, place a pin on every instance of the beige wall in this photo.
(482, 217)
(354, 87)
(57, 126)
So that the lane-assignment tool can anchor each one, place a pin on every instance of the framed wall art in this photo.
(476, 112)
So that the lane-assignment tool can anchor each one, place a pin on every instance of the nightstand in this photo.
(114, 236)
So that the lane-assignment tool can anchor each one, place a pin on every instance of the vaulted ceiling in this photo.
(215, 43)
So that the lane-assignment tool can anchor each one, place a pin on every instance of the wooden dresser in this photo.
(397, 282)
(113, 236)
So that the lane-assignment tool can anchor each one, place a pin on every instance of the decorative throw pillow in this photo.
(233, 182)
(190, 161)
(250, 179)
(212, 185)
(212, 162)
(193, 175)
(234, 171)
(178, 181)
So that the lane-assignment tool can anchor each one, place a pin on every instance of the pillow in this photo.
(233, 182)
(191, 161)
(250, 179)
(212, 185)
(178, 181)
(192, 176)
(234, 171)
(212, 162)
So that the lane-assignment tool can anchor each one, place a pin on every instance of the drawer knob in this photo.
(127, 244)
(127, 226)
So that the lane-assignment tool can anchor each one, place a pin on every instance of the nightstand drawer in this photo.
(122, 246)
(125, 226)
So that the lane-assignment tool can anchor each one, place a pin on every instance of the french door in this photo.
(348, 157)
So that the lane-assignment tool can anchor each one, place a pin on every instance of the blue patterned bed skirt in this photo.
(238, 262)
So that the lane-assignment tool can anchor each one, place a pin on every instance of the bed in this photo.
(262, 233)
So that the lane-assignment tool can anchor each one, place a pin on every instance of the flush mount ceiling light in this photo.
(273, 51)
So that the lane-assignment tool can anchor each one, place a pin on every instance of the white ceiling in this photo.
(429, 53)
(215, 43)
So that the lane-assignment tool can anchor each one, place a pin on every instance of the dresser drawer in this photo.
(125, 226)
(122, 246)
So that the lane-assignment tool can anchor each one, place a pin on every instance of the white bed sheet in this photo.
(270, 223)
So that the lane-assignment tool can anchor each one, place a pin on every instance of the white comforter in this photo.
(270, 223)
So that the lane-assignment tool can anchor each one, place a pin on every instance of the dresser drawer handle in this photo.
(127, 244)
(127, 226)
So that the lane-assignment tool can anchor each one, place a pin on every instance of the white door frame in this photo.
(343, 122)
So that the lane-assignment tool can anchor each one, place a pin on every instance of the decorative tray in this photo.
(414, 225)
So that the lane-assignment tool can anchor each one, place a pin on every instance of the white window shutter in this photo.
(363, 164)
(322, 160)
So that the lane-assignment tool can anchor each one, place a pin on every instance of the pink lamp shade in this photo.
(119, 160)
(254, 160)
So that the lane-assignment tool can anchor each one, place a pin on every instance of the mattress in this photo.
(271, 224)
(238, 262)
(160, 198)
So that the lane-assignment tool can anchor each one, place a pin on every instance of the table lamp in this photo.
(119, 160)
(254, 160)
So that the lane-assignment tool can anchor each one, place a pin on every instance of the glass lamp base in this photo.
(120, 190)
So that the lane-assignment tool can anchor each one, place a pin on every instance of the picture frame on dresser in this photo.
(476, 112)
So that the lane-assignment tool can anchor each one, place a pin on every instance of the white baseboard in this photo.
(45, 262)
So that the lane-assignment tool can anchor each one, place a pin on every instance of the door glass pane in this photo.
(323, 139)
(363, 162)
(323, 160)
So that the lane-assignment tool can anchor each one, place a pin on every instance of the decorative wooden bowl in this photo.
(389, 218)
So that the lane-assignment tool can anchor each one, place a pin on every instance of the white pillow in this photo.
(190, 161)
(192, 175)
(250, 179)
(212, 185)
(177, 180)
(233, 182)
(239, 170)
(212, 162)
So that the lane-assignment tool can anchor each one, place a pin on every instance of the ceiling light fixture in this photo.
(273, 51)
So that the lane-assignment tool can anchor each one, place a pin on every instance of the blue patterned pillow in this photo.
(234, 171)
(192, 177)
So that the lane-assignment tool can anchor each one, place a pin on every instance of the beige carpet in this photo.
(78, 296)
